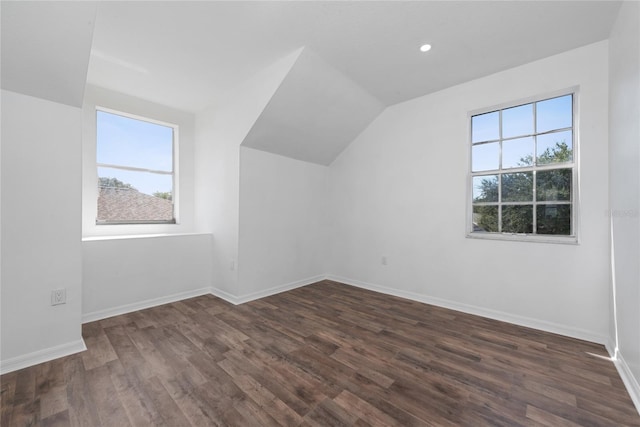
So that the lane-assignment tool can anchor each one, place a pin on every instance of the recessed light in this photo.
(425, 48)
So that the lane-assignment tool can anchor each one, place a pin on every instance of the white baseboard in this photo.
(141, 305)
(230, 298)
(233, 299)
(41, 356)
(45, 355)
(629, 380)
(478, 311)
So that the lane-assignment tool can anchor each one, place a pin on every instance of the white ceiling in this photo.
(45, 49)
(190, 55)
(314, 114)
(358, 56)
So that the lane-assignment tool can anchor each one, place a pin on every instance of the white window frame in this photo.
(573, 238)
(175, 172)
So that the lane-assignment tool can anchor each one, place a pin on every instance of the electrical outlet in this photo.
(59, 296)
(383, 260)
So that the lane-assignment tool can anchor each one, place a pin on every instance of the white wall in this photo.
(122, 275)
(41, 231)
(624, 187)
(400, 191)
(219, 133)
(282, 222)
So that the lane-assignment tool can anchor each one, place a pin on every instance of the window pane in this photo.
(517, 121)
(485, 219)
(555, 147)
(129, 142)
(485, 157)
(485, 127)
(144, 182)
(553, 185)
(517, 152)
(553, 219)
(517, 219)
(485, 188)
(129, 196)
(556, 113)
(517, 187)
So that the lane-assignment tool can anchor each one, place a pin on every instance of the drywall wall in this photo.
(219, 133)
(399, 191)
(282, 223)
(624, 189)
(41, 232)
(122, 275)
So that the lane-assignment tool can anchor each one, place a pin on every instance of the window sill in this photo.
(561, 240)
(141, 236)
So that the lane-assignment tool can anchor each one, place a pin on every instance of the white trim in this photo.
(51, 353)
(532, 238)
(523, 101)
(136, 117)
(233, 299)
(479, 311)
(133, 169)
(236, 300)
(141, 305)
(41, 356)
(140, 236)
(230, 298)
(629, 380)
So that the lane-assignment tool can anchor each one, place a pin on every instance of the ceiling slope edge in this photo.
(243, 105)
(315, 113)
(46, 48)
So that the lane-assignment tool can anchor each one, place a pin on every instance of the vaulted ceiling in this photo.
(46, 47)
(314, 114)
(358, 56)
(190, 54)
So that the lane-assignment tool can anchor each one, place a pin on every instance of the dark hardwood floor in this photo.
(323, 355)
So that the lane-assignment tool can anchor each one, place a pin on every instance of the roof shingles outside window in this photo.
(127, 204)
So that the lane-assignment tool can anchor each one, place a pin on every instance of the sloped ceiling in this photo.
(191, 55)
(315, 113)
(46, 48)
(359, 56)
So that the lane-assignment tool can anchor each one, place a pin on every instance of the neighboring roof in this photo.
(122, 204)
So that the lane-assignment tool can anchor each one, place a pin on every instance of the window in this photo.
(135, 160)
(523, 171)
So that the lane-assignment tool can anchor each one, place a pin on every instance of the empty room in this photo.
(320, 213)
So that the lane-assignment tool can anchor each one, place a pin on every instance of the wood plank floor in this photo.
(323, 355)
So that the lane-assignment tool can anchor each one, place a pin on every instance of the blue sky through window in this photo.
(124, 141)
(485, 127)
(517, 121)
(551, 114)
(554, 113)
